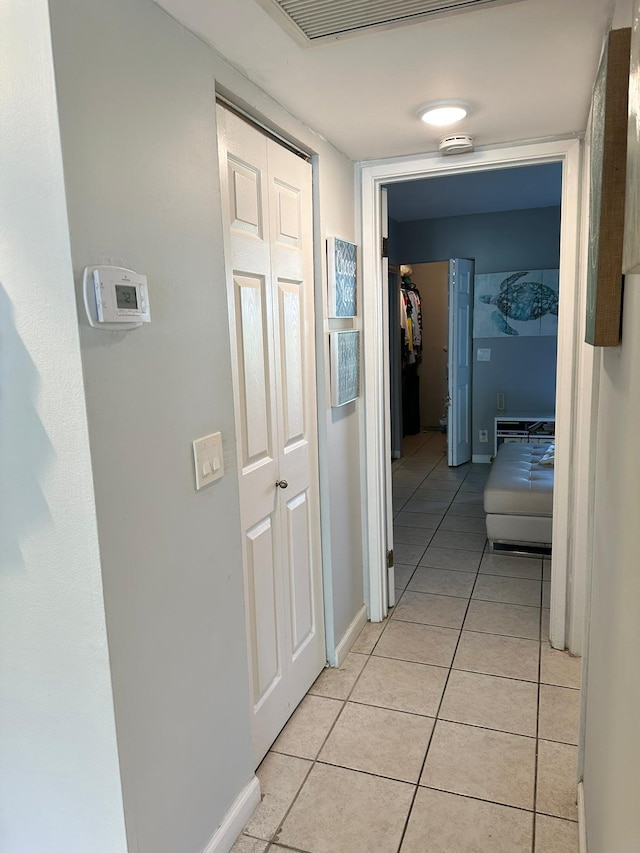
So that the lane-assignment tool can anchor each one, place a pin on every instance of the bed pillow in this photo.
(549, 456)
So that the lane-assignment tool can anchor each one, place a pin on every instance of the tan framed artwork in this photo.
(608, 144)
(631, 253)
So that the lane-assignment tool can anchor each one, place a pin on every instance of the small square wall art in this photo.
(342, 269)
(345, 367)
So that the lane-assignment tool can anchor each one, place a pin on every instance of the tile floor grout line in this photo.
(437, 717)
(429, 739)
(315, 760)
(478, 799)
(439, 523)
(536, 761)
(270, 842)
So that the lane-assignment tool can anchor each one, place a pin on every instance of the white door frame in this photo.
(566, 504)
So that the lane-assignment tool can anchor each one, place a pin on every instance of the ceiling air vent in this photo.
(315, 20)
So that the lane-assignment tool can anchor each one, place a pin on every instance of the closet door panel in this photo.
(292, 271)
(255, 378)
(263, 611)
(292, 362)
(298, 538)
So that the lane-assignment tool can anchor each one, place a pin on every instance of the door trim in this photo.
(371, 176)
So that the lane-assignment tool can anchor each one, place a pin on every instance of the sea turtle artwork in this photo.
(520, 300)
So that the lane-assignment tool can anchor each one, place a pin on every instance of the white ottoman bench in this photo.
(518, 499)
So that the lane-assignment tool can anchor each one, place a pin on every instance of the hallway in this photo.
(452, 726)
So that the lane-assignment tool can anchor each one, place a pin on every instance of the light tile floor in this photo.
(452, 726)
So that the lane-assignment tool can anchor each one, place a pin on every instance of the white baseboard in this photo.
(350, 636)
(481, 458)
(235, 819)
(582, 826)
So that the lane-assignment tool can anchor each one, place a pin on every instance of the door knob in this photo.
(281, 484)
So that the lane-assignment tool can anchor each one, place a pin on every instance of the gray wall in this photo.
(611, 674)
(59, 775)
(136, 96)
(524, 368)
(612, 683)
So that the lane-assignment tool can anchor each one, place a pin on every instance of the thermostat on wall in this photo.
(115, 298)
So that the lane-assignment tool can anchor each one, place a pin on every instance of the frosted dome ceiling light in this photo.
(442, 113)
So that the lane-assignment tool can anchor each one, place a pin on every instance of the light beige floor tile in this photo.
(512, 657)
(403, 477)
(343, 811)
(421, 466)
(438, 486)
(245, 844)
(449, 558)
(403, 491)
(560, 668)
(495, 703)
(556, 836)
(559, 713)
(446, 823)
(426, 492)
(434, 507)
(469, 498)
(511, 620)
(442, 475)
(411, 535)
(287, 849)
(513, 567)
(473, 485)
(546, 593)
(337, 683)
(557, 791)
(305, 732)
(368, 637)
(467, 510)
(443, 582)
(402, 575)
(544, 626)
(376, 740)
(281, 777)
(442, 610)
(465, 525)
(456, 540)
(422, 520)
(419, 643)
(408, 555)
(401, 685)
(507, 590)
(481, 763)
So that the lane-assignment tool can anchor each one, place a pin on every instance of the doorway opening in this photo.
(377, 416)
(510, 220)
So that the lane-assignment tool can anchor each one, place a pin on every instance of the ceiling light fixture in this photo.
(442, 113)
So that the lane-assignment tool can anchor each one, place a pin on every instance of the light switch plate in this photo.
(208, 460)
(484, 354)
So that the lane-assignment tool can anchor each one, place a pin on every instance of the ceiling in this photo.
(476, 192)
(526, 68)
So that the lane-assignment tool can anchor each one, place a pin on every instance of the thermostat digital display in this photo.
(126, 296)
(120, 299)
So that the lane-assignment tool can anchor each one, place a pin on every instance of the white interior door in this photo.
(459, 447)
(267, 212)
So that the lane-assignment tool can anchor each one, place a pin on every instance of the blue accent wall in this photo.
(524, 368)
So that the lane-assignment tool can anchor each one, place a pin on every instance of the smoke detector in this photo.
(456, 143)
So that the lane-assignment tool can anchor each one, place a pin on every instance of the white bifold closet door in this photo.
(267, 209)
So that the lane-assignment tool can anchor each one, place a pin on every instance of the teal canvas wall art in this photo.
(512, 304)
